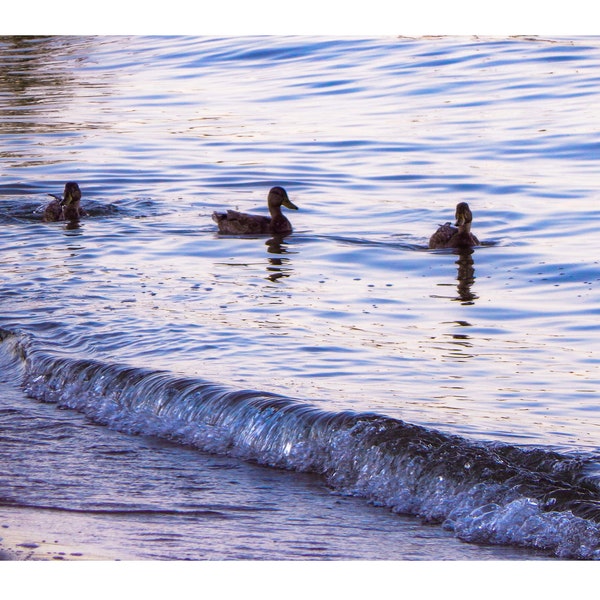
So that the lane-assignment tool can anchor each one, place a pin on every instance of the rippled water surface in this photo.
(376, 141)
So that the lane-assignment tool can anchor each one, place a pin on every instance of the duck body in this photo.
(233, 222)
(54, 211)
(448, 236)
(67, 208)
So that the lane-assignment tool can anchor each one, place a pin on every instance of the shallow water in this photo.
(375, 140)
(76, 491)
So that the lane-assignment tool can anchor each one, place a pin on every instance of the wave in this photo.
(488, 493)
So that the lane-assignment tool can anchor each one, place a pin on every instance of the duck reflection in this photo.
(465, 276)
(73, 227)
(460, 344)
(279, 267)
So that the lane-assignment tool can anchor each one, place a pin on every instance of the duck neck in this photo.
(465, 227)
(275, 211)
(71, 211)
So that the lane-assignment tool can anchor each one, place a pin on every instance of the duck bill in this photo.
(289, 204)
(461, 219)
(71, 194)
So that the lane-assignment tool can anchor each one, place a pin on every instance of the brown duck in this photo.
(67, 208)
(460, 236)
(236, 223)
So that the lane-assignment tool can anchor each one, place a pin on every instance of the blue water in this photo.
(174, 393)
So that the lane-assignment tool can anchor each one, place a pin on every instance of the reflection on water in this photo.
(460, 343)
(278, 267)
(465, 276)
(73, 225)
(42, 81)
(39, 84)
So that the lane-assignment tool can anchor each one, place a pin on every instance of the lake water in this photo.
(342, 392)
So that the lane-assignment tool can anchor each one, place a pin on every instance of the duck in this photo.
(460, 236)
(67, 208)
(236, 223)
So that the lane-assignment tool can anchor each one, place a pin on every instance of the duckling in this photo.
(236, 223)
(67, 208)
(448, 236)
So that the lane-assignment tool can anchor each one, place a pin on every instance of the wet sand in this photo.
(26, 535)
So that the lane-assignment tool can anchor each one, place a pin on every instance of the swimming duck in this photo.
(67, 208)
(236, 223)
(448, 236)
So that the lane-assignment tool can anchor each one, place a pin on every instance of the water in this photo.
(341, 393)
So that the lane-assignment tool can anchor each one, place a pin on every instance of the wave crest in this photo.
(484, 492)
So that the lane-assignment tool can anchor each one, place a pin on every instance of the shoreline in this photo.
(30, 536)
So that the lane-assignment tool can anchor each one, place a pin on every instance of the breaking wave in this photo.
(487, 493)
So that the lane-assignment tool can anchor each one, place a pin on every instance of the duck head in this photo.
(278, 197)
(71, 195)
(464, 216)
